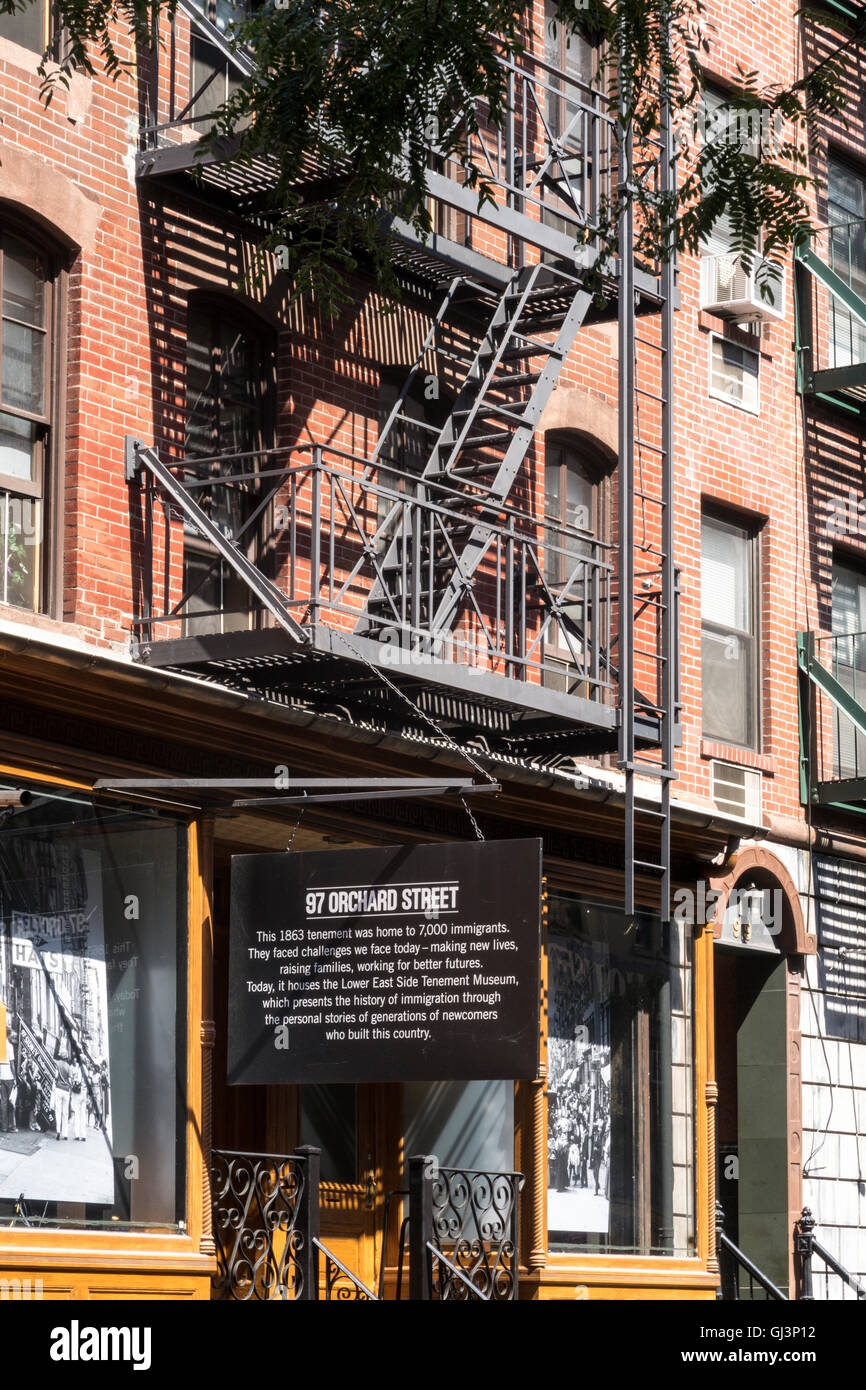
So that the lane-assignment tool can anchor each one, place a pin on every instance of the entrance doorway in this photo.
(752, 1075)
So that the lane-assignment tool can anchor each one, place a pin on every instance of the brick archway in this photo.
(766, 871)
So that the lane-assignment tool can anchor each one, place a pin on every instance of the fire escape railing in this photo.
(551, 165)
(830, 305)
(541, 586)
(832, 690)
(554, 156)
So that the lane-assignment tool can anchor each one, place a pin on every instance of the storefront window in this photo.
(619, 1083)
(466, 1124)
(92, 1012)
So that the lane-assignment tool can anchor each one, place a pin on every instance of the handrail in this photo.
(805, 1246)
(479, 502)
(751, 1269)
(476, 1292)
(333, 1259)
(844, 1274)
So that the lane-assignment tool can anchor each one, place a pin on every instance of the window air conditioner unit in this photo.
(730, 292)
(737, 791)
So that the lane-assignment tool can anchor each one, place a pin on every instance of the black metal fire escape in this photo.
(466, 524)
(482, 446)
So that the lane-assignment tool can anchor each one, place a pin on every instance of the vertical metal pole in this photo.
(316, 534)
(510, 136)
(626, 491)
(420, 1228)
(669, 643)
(509, 597)
(308, 1223)
(146, 633)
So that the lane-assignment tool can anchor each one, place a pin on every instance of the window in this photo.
(849, 666)
(619, 1083)
(573, 504)
(734, 374)
(230, 387)
(846, 216)
(32, 27)
(567, 117)
(729, 632)
(93, 903)
(577, 58)
(719, 126)
(210, 69)
(25, 400)
(409, 442)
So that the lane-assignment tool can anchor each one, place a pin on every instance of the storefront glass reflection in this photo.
(92, 1024)
(619, 1061)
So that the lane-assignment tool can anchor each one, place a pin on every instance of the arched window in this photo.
(576, 531)
(26, 372)
(231, 360)
(572, 499)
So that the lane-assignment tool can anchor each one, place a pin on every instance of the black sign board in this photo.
(410, 963)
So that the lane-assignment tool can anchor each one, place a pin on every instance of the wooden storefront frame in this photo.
(546, 1275)
(180, 1265)
(106, 1264)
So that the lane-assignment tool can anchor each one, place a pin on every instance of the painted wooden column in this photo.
(706, 1095)
(201, 967)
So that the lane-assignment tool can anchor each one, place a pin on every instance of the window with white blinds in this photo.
(846, 216)
(849, 666)
(729, 646)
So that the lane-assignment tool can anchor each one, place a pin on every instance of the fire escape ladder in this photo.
(479, 451)
(648, 618)
(140, 456)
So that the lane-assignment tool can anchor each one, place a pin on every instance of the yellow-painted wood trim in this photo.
(29, 774)
(62, 1248)
(706, 1096)
(198, 927)
(66, 1255)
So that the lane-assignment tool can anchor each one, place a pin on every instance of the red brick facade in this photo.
(130, 259)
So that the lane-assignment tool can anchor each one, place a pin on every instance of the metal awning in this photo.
(302, 791)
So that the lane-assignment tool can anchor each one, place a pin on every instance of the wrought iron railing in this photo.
(463, 1233)
(341, 1285)
(265, 1209)
(806, 1248)
(540, 601)
(739, 1279)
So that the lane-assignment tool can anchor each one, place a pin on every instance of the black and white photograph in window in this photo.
(578, 1061)
(93, 904)
(617, 1049)
(55, 1095)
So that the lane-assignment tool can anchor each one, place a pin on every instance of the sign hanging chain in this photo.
(295, 829)
(442, 733)
(479, 834)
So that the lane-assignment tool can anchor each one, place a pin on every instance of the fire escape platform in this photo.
(831, 317)
(244, 189)
(336, 668)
